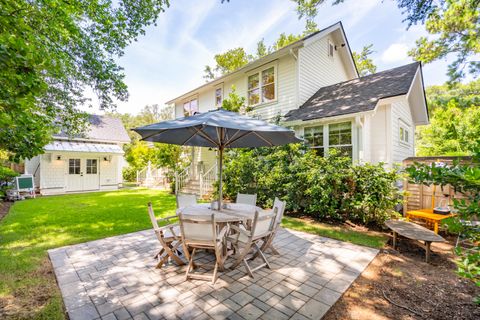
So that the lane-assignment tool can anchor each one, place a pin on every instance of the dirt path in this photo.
(400, 285)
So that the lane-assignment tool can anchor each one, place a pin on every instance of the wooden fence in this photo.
(420, 196)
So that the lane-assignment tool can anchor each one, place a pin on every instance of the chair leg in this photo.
(259, 251)
(242, 256)
(215, 270)
(190, 264)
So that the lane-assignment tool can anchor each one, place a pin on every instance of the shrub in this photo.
(6, 176)
(329, 188)
(129, 174)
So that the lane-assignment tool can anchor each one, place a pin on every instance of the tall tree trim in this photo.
(453, 25)
(51, 52)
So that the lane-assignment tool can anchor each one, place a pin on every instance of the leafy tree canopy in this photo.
(453, 25)
(365, 65)
(454, 127)
(51, 52)
(234, 102)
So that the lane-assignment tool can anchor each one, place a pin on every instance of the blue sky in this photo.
(171, 57)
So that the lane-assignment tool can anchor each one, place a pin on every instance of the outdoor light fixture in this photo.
(59, 157)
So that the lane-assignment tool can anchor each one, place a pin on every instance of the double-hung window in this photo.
(314, 138)
(218, 97)
(190, 107)
(404, 132)
(338, 136)
(261, 87)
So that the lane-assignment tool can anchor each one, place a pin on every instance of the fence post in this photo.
(176, 182)
(138, 183)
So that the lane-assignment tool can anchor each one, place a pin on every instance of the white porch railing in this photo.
(150, 177)
(182, 178)
(207, 179)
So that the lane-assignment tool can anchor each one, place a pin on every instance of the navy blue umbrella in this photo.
(218, 129)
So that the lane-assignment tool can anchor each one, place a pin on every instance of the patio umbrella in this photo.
(218, 129)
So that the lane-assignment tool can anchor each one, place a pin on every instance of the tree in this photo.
(51, 51)
(262, 49)
(234, 102)
(284, 40)
(227, 62)
(454, 127)
(365, 65)
(453, 25)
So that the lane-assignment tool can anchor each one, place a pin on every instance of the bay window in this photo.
(261, 87)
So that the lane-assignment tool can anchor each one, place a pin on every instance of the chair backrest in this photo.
(250, 199)
(198, 228)
(262, 224)
(153, 219)
(185, 200)
(279, 209)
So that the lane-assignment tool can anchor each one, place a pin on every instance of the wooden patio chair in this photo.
(169, 237)
(185, 200)
(262, 228)
(278, 209)
(250, 199)
(201, 232)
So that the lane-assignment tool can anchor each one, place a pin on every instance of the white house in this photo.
(314, 87)
(91, 162)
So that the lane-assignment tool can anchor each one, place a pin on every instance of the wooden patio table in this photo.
(415, 232)
(429, 216)
(233, 213)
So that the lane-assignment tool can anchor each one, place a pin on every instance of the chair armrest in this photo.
(224, 231)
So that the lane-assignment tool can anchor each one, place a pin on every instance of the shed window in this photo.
(73, 166)
(330, 48)
(91, 166)
(261, 87)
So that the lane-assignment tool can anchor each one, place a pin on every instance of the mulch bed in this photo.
(400, 285)
(4, 207)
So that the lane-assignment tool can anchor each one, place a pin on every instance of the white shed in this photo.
(91, 162)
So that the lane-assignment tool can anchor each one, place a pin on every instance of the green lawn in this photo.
(27, 284)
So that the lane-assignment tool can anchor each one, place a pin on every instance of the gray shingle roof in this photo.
(357, 95)
(103, 128)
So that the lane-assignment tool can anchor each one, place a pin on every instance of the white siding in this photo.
(378, 135)
(54, 173)
(401, 113)
(317, 69)
(31, 166)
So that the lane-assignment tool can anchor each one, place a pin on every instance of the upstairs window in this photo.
(218, 97)
(330, 48)
(314, 138)
(261, 87)
(190, 107)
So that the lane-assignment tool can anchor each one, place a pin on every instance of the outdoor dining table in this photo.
(233, 212)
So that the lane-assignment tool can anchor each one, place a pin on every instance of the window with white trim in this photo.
(73, 166)
(218, 97)
(330, 48)
(403, 132)
(338, 136)
(91, 166)
(190, 107)
(261, 87)
(314, 138)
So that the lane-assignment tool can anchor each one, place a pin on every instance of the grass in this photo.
(27, 285)
(368, 239)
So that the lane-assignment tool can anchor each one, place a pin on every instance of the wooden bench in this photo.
(414, 232)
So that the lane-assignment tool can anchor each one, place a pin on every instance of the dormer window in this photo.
(331, 48)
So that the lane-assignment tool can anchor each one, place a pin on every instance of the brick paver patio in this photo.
(115, 278)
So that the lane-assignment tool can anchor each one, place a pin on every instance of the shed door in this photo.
(74, 175)
(91, 177)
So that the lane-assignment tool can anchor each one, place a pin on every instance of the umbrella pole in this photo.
(220, 176)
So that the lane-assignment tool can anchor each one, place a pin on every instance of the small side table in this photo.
(429, 216)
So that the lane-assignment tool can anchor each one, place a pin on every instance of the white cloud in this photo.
(396, 52)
